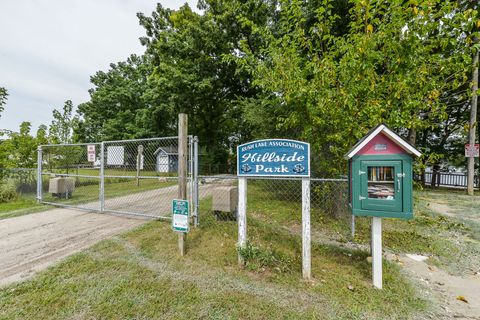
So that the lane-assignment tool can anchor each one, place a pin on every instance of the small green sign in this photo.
(180, 215)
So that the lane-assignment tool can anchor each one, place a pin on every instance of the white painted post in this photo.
(306, 240)
(102, 177)
(352, 226)
(39, 174)
(242, 216)
(377, 252)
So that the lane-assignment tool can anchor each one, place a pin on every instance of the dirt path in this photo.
(448, 289)
(445, 288)
(442, 207)
(33, 242)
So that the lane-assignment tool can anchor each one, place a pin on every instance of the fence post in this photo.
(190, 181)
(102, 177)
(39, 174)
(182, 171)
(306, 240)
(139, 162)
(195, 180)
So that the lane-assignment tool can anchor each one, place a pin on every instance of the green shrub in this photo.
(256, 258)
(8, 192)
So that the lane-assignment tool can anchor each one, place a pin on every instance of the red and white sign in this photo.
(91, 152)
(472, 150)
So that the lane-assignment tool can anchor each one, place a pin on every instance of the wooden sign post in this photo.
(182, 172)
(242, 216)
(275, 158)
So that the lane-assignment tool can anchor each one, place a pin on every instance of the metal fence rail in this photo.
(446, 179)
(134, 177)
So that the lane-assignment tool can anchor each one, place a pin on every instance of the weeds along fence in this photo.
(16, 182)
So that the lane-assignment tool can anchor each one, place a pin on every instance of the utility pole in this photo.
(182, 172)
(472, 125)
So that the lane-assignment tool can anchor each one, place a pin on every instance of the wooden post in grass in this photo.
(377, 252)
(182, 172)
(242, 216)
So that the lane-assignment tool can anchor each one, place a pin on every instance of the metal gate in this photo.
(132, 177)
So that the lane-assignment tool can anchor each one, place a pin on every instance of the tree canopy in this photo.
(322, 71)
(402, 63)
(19, 149)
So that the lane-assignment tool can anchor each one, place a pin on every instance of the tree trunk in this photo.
(435, 176)
(472, 125)
(412, 136)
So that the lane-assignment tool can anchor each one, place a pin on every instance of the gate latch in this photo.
(361, 198)
(360, 172)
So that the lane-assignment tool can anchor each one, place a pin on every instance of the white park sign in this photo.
(275, 158)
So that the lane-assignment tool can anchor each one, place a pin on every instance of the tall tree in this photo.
(19, 150)
(117, 108)
(191, 75)
(63, 124)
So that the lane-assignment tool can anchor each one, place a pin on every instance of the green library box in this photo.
(380, 175)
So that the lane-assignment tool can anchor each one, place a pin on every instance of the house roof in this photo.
(382, 128)
(169, 150)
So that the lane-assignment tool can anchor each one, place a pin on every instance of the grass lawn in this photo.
(452, 242)
(25, 204)
(139, 275)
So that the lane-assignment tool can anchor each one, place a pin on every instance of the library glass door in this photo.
(381, 185)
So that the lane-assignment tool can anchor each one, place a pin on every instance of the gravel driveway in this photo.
(33, 242)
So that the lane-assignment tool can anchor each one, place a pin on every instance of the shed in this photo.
(166, 159)
(380, 174)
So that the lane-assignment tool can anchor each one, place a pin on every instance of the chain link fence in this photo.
(68, 176)
(282, 197)
(134, 177)
(140, 177)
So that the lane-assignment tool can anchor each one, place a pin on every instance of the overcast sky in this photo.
(50, 48)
